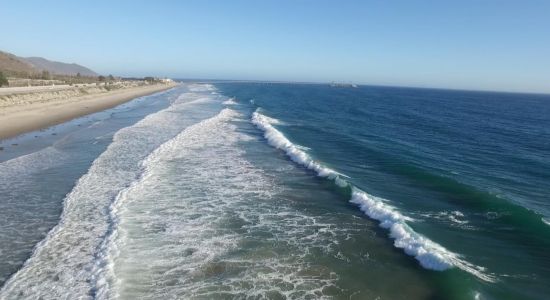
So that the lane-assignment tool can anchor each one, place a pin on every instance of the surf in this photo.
(196, 222)
(428, 253)
(104, 276)
(62, 265)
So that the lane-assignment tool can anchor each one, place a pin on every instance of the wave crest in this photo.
(429, 254)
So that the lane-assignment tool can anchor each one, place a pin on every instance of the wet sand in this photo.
(18, 119)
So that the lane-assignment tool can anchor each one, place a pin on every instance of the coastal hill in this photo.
(13, 65)
(60, 68)
(25, 66)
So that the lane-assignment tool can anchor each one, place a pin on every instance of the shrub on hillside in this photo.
(3, 80)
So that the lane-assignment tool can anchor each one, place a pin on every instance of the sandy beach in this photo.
(24, 113)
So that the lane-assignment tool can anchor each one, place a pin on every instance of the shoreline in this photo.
(20, 119)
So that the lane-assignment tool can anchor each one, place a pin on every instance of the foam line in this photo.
(230, 101)
(104, 267)
(429, 254)
(63, 264)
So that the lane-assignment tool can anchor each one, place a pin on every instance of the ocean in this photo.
(236, 190)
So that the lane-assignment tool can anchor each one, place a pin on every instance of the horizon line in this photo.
(359, 85)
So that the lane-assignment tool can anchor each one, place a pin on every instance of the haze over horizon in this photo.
(489, 45)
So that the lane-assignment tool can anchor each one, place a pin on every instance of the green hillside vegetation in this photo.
(3, 80)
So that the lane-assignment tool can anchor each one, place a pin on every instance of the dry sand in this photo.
(19, 116)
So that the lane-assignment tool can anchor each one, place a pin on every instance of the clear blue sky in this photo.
(467, 44)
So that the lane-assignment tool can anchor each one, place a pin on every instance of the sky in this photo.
(464, 44)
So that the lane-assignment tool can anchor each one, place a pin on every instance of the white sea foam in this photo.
(230, 101)
(201, 87)
(29, 163)
(272, 121)
(184, 225)
(105, 279)
(61, 266)
(176, 221)
(453, 218)
(430, 254)
(276, 139)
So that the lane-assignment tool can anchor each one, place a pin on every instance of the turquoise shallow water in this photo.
(254, 191)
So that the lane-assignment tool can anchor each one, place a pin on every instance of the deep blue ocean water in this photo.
(297, 191)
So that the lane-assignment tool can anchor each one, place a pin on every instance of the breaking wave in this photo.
(230, 101)
(62, 265)
(429, 254)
